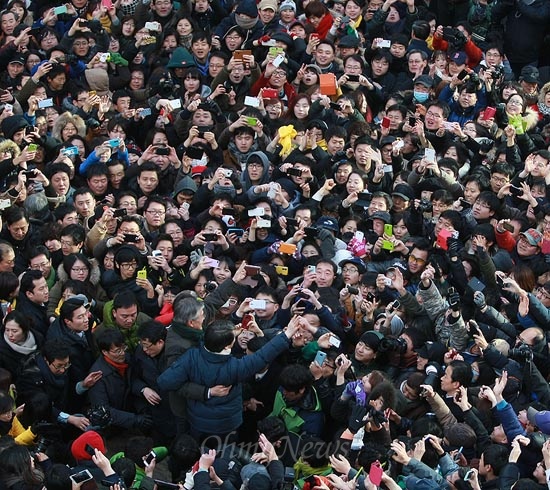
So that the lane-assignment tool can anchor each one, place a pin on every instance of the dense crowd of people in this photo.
(295, 244)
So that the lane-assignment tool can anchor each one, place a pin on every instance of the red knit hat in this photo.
(78, 447)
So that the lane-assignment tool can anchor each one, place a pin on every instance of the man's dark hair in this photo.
(200, 35)
(108, 338)
(152, 331)
(81, 191)
(63, 210)
(184, 453)
(154, 199)
(218, 335)
(55, 349)
(295, 377)
(126, 469)
(329, 262)
(421, 29)
(117, 94)
(99, 169)
(491, 199)
(27, 281)
(442, 105)
(462, 373)
(148, 167)
(137, 447)
(125, 299)
(504, 169)
(9, 282)
(76, 232)
(14, 214)
(496, 456)
(57, 477)
(336, 131)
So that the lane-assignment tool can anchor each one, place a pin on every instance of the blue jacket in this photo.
(218, 415)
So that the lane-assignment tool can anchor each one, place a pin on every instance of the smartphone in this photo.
(162, 150)
(500, 281)
(278, 60)
(42, 104)
(142, 274)
(245, 324)
(281, 270)
(465, 204)
(269, 93)
(508, 226)
(114, 143)
(252, 270)
(385, 122)
(334, 341)
(256, 212)
(130, 238)
(462, 75)
(145, 112)
(375, 473)
(210, 237)
(312, 269)
(294, 171)
(353, 78)
(489, 113)
(235, 231)
(81, 477)
(388, 230)
(334, 106)
(515, 191)
(412, 122)
(89, 449)
(156, 253)
(385, 43)
(352, 290)
(371, 297)
(175, 104)
(120, 212)
(258, 304)
(32, 147)
(251, 101)
(251, 121)
(212, 262)
(442, 237)
(151, 26)
(429, 154)
(60, 10)
(70, 150)
(287, 248)
(476, 285)
(320, 358)
(152, 455)
(395, 305)
(310, 232)
(229, 211)
(292, 221)
(263, 223)
(5, 204)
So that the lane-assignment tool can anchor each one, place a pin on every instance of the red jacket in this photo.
(263, 82)
(475, 55)
(324, 26)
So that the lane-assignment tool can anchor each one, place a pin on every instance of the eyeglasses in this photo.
(515, 102)
(434, 115)
(80, 43)
(255, 165)
(542, 292)
(128, 265)
(156, 212)
(60, 367)
(416, 260)
(79, 269)
(43, 265)
(279, 74)
(351, 270)
(119, 350)
(482, 205)
(499, 180)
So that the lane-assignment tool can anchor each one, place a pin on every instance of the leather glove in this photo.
(143, 421)
(453, 246)
(454, 300)
(357, 418)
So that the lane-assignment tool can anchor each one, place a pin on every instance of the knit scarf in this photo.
(286, 135)
(245, 24)
(121, 367)
(186, 332)
(543, 109)
(25, 348)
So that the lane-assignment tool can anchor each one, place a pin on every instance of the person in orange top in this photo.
(319, 17)
(475, 55)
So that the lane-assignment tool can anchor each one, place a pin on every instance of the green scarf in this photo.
(186, 332)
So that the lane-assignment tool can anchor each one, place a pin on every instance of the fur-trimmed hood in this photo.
(95, 273)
